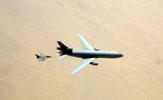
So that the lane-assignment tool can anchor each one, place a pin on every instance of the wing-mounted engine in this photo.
(94, 63)
(96, 49)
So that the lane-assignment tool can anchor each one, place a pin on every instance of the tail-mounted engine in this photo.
(63, 49)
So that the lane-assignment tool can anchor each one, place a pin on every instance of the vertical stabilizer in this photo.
(62, 45)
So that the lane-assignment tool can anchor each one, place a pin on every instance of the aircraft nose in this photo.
(120, 55)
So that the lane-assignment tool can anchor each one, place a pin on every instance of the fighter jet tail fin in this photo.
(37, 56)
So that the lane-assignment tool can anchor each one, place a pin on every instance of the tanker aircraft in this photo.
(88, 54)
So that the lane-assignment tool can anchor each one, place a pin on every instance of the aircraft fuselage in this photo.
(95, 54)
(88, 54)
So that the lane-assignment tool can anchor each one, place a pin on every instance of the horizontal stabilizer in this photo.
(61, 57)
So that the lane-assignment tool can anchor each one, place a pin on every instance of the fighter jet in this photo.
(88, 54)
(42, 57)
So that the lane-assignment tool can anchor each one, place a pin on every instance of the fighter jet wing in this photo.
(82, 64)
(84, 43)
(40, 59)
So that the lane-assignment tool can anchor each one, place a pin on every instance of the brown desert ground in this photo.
(132, 27)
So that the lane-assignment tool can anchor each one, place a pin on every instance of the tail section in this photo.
(62, 45)
(37, 56)
(63, 50)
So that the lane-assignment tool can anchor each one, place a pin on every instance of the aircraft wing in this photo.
(40, 59)
(82, 64)
(84, 43)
